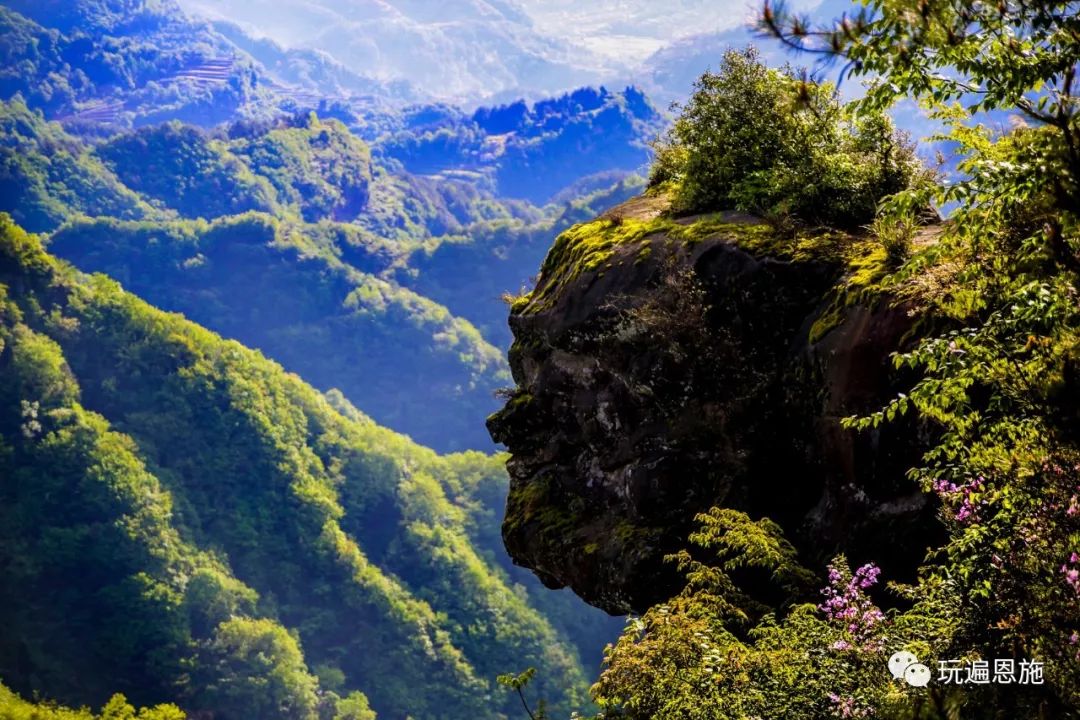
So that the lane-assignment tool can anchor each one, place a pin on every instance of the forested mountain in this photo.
(97, 64)
(768, 399)
(290, 237)
(533, 151)
(212, 530)
(291, 278)
(183, 520)
(123, 60)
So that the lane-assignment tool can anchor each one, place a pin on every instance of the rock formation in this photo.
(667, 365)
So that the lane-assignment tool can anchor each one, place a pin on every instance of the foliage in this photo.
(258, 670)
(354, 707)
(47, 176)
(713, 652)
(129, 63)
(465, 271)
(182, 168)
(532, 151)
(518, 683)
(12, 707)
(316, 314)
(996, 385)
(896, 235)
(765, 141)
(342, 288)
(318, 168)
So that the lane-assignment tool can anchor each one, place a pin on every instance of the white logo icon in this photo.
(900, 662)
(917, 675)
(904, 665)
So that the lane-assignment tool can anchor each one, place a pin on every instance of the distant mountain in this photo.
(137, 62)
(534, 150)
(306, 225)
(313, 74)
(124, 62)
(487, 51)
(669, 72)
(464, 50)
(628, 31)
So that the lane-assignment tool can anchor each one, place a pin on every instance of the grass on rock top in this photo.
(613, 239)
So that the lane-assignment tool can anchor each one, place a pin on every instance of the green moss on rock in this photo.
(594, 247)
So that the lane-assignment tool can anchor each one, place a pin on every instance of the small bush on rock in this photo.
(769, 142)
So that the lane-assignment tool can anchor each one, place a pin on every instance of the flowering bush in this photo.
(848, 605)
(716, 652)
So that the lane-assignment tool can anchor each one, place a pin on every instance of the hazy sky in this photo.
(631, 30)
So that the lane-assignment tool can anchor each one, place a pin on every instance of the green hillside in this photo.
(184, 521)
(125, 62)
(282, 288)
(182, 169)
(321, 296)
(13, 707)
(290, 237)
(47, 176)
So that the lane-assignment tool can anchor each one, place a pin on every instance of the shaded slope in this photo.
(47, 176)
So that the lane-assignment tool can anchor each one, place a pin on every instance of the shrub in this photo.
(769, 142)
(896, 235)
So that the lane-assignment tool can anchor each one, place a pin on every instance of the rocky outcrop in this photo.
(665, 366)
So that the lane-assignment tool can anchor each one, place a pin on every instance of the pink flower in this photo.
(847, 604)
(847, 707)
(951, 493)
(1072, 574)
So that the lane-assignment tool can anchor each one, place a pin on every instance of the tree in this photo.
(1017, 55)
(997, 386)
(354, 706)
(256, 670)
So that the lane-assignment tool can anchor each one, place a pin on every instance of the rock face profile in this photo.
(664, 366)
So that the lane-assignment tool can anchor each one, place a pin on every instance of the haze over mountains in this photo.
(473, 50)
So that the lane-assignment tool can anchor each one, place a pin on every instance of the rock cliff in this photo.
(667, 365)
